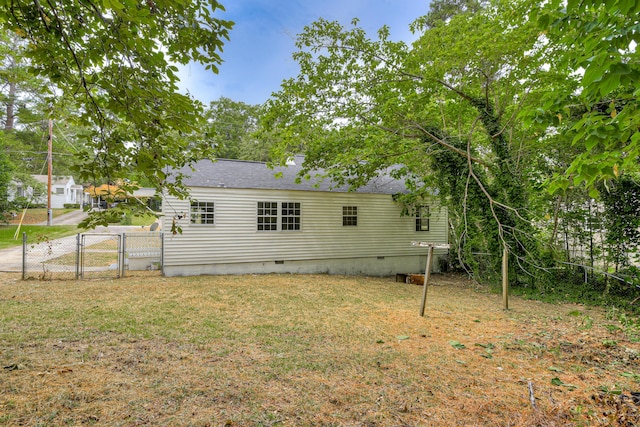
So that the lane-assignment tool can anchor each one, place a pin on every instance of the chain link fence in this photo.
(91, 255)
(45, 259)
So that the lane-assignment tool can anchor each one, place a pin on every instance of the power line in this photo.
(40, 152)
(66, 138)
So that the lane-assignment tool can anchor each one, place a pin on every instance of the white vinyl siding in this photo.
(381, 230)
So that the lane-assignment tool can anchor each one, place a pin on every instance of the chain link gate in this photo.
(100, 255)
(91, 255)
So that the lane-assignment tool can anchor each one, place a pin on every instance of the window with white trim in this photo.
(349, 216)
(422, 218)
(278, 216)
(290, 216)
(202, 213)
(267, 216)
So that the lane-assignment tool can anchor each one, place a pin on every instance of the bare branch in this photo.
(465, 154)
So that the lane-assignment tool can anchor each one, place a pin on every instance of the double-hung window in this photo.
(290, 216)
(349, 216)
(267, 216)
(422, 218)
(278, 216)
(202, 213)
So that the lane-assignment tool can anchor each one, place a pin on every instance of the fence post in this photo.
(162, 252)
(24, 254)
(77, 256)
(427, 274)
(505, 278)
(121, 254)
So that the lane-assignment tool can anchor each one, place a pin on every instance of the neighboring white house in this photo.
(242, 219)
(63, 191)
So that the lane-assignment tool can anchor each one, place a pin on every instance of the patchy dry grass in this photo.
(292, 350)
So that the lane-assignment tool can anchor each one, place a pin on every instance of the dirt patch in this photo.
(305, 350)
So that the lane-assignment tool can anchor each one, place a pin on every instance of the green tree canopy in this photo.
(116, 61)
(596, 42)
(231, 128)
(446, 108)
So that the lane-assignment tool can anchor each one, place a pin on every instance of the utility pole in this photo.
(49, 172)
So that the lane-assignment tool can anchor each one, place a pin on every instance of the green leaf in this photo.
(113, 4)
(558, 382)
(631, 375)
(609, 83)
(488, 345)
(591, 142)
(626, 5)
(620, 68)
(572, 5)
(402, 337)
(457, 344)
(616, 391)
(592, 74)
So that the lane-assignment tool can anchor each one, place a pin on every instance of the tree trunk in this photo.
(11, 100)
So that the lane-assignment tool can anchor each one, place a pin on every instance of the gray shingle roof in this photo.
(257, 175)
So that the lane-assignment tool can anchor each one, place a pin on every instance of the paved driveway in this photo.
(11, 258)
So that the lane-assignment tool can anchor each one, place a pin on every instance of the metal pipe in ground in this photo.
(24, 255)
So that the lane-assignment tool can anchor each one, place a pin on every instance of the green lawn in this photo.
(139, 220)
(34, 232)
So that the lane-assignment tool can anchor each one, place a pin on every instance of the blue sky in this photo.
(258, 56)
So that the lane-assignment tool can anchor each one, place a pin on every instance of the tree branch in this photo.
(465, 154)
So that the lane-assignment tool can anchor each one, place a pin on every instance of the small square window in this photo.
(349, 216)
(202, 213)
(422, 218)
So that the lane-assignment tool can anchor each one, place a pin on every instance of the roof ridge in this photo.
(237, 160)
